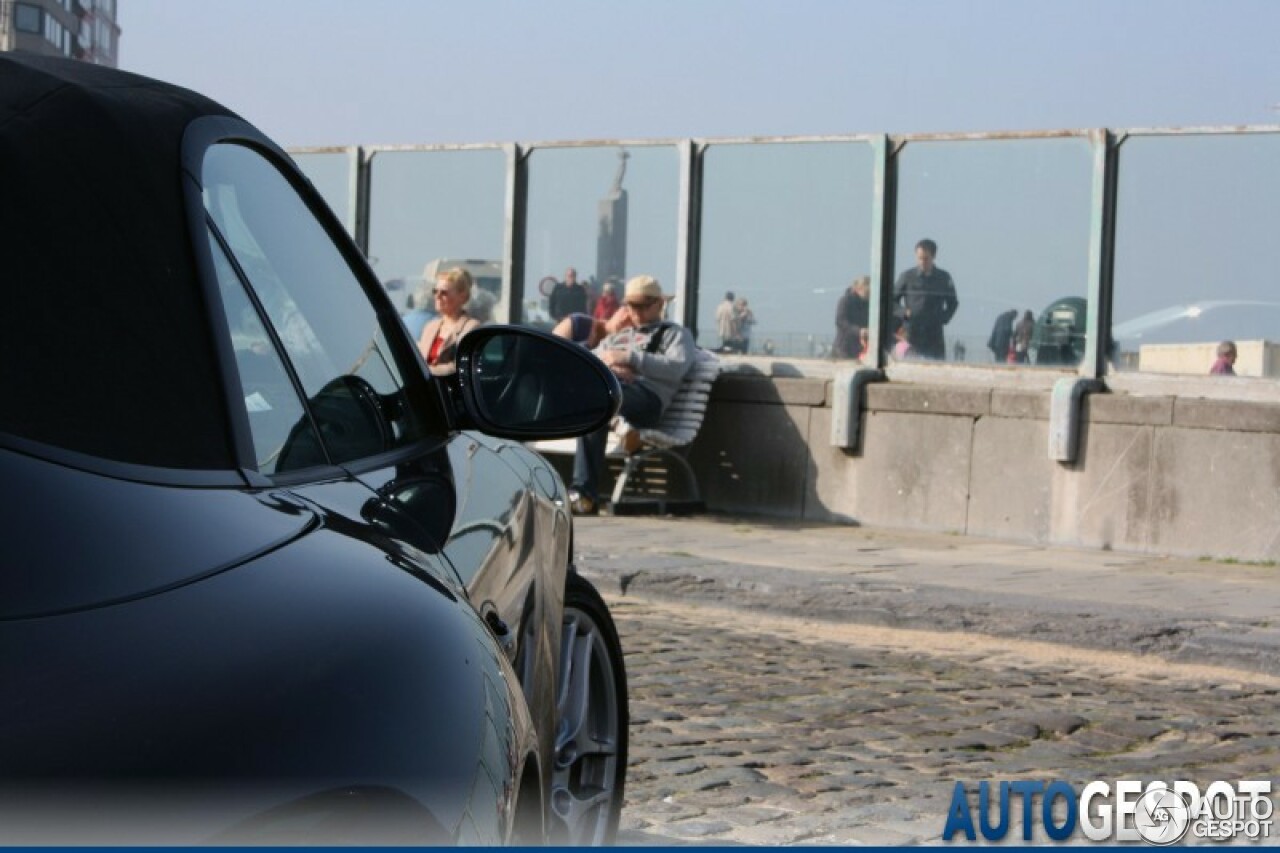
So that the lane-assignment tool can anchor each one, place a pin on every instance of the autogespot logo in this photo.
(1126, 810)
(1162, 816)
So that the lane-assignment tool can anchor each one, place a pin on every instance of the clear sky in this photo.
(333, 72)
(1011, 217)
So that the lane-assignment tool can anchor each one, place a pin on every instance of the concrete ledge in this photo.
(1222, 415)
(951, 375)
(1026, 405)
(1226, 388)
(745, 388)
(926, 399)
(1124, 409)
(790, 368)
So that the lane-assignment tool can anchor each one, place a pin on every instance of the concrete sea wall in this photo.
(1161, 473)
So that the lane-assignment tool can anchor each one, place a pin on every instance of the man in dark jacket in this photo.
(928, 296)
(1001, 341)
(567, 297)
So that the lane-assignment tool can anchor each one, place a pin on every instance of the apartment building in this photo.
(79, 29)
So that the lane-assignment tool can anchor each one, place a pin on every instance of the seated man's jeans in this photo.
(640, 408)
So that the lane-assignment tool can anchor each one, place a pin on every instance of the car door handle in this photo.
(501, 631)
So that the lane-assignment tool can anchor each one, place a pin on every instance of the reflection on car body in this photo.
(265, 579)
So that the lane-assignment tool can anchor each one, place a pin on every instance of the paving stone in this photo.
(699, 828)
(672, 769)
(723, 777)
(779, 834)
(749, 816)
(1058, 723)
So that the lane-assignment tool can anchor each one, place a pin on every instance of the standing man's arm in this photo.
(900, 290)
(952, 303)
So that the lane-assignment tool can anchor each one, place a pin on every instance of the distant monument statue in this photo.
(611, 236)
(617, 191)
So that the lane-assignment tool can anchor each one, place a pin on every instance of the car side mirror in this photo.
(524, 384)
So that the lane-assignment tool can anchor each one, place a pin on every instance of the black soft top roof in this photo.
(104, 343)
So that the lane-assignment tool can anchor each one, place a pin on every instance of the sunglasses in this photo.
(639, 306)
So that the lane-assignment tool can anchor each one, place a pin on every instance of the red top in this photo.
(435, 349)
(606, 305)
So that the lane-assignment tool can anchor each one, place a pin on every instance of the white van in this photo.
(486, 275)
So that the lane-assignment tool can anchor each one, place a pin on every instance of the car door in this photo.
(491, 543)
(482, 522)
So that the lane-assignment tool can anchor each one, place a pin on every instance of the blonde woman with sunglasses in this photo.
(439, 341)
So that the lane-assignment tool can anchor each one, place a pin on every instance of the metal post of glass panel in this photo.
(358, 193)
(1102, 235)
(688, 246)
(883, 227)
(513, 231)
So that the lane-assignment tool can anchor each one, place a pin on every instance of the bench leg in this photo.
(676, 459)
(628, 468)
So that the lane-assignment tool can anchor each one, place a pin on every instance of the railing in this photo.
(1118, 242)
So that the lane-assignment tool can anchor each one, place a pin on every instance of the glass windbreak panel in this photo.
(434, 210)
(1194, 215)
(271, 404)
(786, 229)
(354, 379)
(330, 173)
(607, 213)
(1010, 219)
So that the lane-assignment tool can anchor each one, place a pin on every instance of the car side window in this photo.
(335, 342)
(275, 413)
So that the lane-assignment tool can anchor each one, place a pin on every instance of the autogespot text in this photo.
(1123, 810)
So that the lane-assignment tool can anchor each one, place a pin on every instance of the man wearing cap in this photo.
(650, 357)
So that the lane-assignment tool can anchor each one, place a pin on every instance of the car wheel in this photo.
(591, 732)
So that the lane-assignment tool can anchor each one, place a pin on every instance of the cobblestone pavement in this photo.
(765, 726)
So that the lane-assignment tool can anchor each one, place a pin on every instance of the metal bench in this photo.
(645, 482)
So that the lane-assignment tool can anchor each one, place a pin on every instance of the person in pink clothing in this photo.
(1225, 365)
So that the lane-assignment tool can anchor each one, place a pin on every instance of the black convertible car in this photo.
(264, 579)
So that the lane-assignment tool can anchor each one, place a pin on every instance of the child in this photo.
(902, 349)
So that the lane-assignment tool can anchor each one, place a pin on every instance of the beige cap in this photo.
(643, 287)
